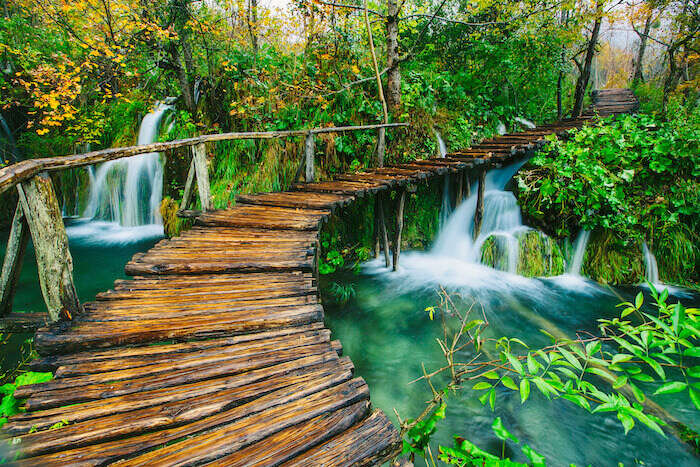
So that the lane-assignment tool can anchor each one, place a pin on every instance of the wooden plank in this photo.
(21, 424)
(23, 322)
(288, 443)
(370, 442)
(175, 413)
(295, 199)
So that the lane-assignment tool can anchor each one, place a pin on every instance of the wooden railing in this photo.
(38, 213)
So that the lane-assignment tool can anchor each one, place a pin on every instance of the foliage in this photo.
(634, 177)
(9, 405)
(612, 372)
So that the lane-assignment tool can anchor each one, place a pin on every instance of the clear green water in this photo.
(388, 335)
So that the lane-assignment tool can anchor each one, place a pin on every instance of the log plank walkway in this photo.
(215, 352)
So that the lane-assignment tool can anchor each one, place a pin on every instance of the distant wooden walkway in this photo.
(215, 353)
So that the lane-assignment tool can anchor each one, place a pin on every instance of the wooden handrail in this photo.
(24, 170)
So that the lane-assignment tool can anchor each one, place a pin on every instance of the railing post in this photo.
(12, 265)
(199, 157)
(54, 261)
(187, 193)
(381, 146)
(399, 227)
(479, 213)
(309, 152)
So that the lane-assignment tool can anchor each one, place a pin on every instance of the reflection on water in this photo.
(387, 334)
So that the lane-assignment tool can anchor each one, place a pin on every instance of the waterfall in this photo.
(11, 149)
(524, 122)
(125, 194)
(128, 191)
(501, 218)
(446, 205)
(579, 252)
(651, 268)
(442, 148)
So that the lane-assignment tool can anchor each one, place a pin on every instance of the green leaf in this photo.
(639, 300)
(655, 366)
(553, 339)
(692, 352)
(532, 364)
(491, 375)
(638, 394)
(535, 457)
(695, 397)
(694, 371)
(481, 385)
(507, 381)
(627, 421)
(515, 363)
(570, 358)
(501, 432)
(524, 390)
(620, 358)
(492, 399)
(670, 388)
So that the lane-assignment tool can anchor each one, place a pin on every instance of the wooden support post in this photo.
(54, 261)
(377, 228)
(199, 159)
(399, 227)
(309, 152)
(382, 228)
(467, 185)
(460, 190)
(12, 265)
(381, 146)
(187, 193)
(479, 213)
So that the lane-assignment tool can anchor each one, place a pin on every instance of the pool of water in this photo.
(387, 333)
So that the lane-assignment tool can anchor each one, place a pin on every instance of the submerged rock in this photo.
(537, 254)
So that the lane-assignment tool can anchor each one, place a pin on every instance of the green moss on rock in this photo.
(539, 255)
(612, 260)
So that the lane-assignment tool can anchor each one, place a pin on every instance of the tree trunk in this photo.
(393, 84)
(253, 26)
(399, 227)
(12, 266)
(585, 75)
(637, 73)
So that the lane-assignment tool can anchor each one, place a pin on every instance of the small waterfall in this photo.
(579, 252)
(124, 197)
(128, 191)
(442, 148)
(9, 152)
(524, 122)
(651, 268)
(501, 218)
(446, 206)
(501, 128)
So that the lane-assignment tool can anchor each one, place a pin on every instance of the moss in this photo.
(539, 255)
(677, 254)
(172, 225)
(494, 253)
(612, 260)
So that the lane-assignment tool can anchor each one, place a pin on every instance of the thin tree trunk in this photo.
(376, 67)
(638, 74)
(585, 75)
(392, 56)
(253, 26)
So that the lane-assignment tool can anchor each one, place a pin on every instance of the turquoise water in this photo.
(389, 336)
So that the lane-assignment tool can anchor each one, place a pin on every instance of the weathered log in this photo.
(381, 223)
(479, 212)
(14, 256)
(54, 261)
(399, 227)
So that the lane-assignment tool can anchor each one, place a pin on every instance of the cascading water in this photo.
(651, 268)
(579, 252)
(125, 194)
(8, 150)
(446, 206)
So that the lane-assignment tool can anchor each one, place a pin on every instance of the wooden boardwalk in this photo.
(215, 353)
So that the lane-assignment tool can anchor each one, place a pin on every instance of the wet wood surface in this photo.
(215, 351)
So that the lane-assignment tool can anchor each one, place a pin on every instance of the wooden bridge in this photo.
(215, 353)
